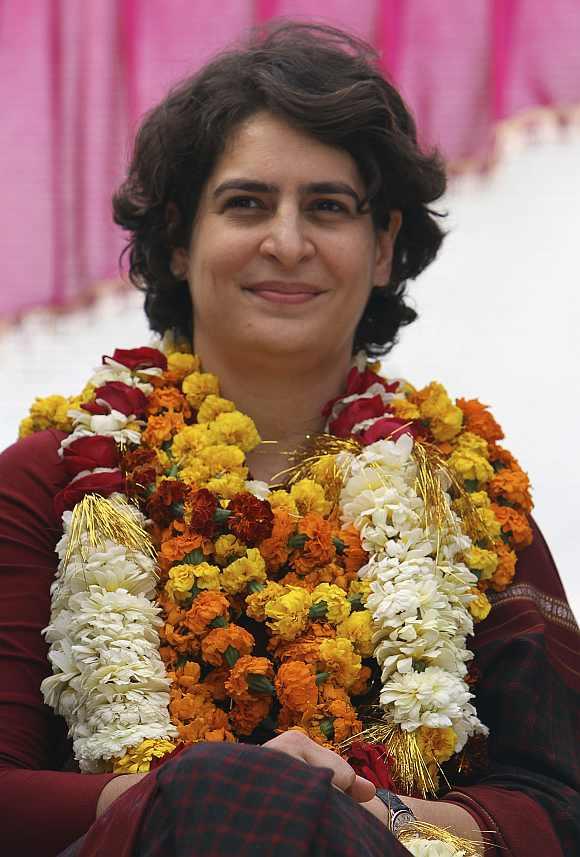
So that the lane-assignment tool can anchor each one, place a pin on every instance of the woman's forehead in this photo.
(266, 148)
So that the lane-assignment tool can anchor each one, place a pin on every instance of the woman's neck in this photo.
(284, 397)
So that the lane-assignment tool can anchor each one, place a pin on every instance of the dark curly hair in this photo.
(319, 80)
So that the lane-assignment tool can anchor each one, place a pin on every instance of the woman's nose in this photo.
(287, 240)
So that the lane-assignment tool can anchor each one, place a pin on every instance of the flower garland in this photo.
(363, 574)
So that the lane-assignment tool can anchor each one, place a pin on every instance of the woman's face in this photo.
(280, 261)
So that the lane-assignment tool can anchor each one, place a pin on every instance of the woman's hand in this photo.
(301, 747)
(114, 789)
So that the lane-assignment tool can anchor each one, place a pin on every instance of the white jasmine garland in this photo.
(419, 592)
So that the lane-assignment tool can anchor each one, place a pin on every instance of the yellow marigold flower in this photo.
(222, 458)
(49, 412)
(188, 443)
(337, 604)
(283, 500)
(481, 561)
(198, 386)
(207, 576)
(309, 497)
(182, 364)
(324, 470)
(470, 466)
(359, 587)
(339, 658)
(480, 499)
(287, 615)
(236, 576)
(436, 744)
(227, 486)
(227, 548)
(138, 759)
(237, 429)
(404, 409)
(490, 522)
(212, 406)
(473, 442)
(479, 607)
(181, 580)
(358, 628)
(256, 601)
(195, 473)
(445, 418)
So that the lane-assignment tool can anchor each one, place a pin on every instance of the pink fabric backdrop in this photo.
(76, 76)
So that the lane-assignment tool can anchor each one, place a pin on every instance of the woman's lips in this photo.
(284, 293)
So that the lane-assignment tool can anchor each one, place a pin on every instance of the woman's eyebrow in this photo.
(252, 186)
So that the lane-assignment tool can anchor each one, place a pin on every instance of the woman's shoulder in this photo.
(31, 470)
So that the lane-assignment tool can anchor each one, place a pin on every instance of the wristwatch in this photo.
(399, 813)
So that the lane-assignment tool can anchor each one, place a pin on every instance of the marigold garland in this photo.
(359, 567)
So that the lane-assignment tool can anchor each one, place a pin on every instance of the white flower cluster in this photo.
(108, 682)
(419, 592)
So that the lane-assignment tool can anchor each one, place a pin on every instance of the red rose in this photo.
(86, 453)
(138, 358)
(201, 507)
(251, 519)
(95, 483)
(372, 762)
(355, 412)
(359, 382)
(389, 427)
(118, 397)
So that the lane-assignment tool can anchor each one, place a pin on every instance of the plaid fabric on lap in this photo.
(221, 799)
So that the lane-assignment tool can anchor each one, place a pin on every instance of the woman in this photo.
(276, 204)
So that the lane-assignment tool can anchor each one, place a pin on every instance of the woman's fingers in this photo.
(362, 790)
(343, 776)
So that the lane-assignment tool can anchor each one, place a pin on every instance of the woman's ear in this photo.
(179, 263)
(385, 247)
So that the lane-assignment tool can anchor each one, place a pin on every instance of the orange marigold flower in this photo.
(179, 638)
(513, 485)
(354, 554)
(237, 683)
(506, 567)
(215, 682)
(206, 607)
(247, 714)
(319, 549)
(477, 419)
(219, 640)
(275, 549)
(501, 455)
(296, 685)
(514, 524)
(168, 399)
(361, 685)
(187, 676)
(175, 548)
(162, 428)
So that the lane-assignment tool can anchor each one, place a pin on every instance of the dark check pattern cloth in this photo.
(244, 801)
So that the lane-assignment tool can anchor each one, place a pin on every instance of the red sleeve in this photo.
(527, 650)
(42, 809)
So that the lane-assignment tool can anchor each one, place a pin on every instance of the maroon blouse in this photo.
(527, 649)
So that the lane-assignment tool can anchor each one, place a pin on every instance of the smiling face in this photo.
(281, 261)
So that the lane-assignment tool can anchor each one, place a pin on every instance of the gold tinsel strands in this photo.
(430, 467)
(102, 519)
(308, 462)
(406, 764)
(423, 830)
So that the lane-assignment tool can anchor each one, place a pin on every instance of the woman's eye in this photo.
(244, 202)
(330, 206)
